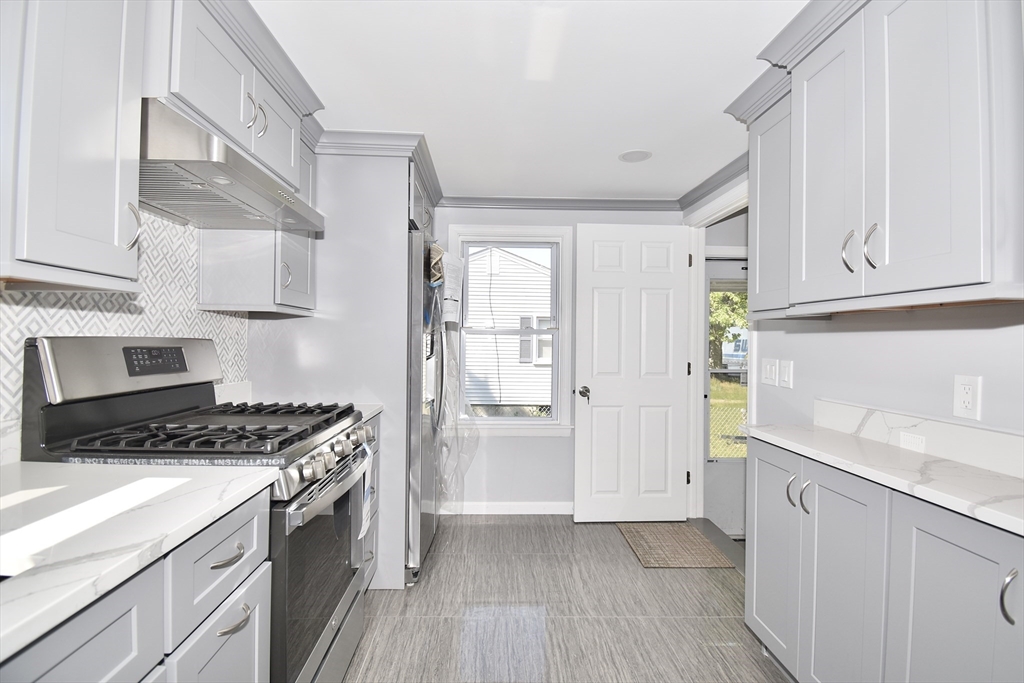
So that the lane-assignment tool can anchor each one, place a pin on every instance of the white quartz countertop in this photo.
(369, 409)
(992, 497)
(70, 533)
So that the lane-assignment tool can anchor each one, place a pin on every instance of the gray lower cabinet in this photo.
(118, 638)
(815, 584)
(844, 528)
(950, 606)
(256, 270)
(233, 644)
(773, 549)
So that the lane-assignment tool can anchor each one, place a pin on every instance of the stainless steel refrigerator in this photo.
(425, 409)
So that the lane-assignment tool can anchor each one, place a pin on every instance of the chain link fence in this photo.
(728, 410)
(489, 410)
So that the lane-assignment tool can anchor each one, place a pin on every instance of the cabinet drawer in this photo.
(234, 643)
(203, 572)
(112, 640)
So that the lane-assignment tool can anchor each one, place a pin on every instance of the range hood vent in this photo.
(192, 175)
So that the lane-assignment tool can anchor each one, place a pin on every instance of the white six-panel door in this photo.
(632, 288)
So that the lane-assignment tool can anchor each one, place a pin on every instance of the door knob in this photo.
(585, 393)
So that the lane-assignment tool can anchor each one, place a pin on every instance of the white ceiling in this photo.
(538, 99)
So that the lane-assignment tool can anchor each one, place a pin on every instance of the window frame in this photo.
(504, 236)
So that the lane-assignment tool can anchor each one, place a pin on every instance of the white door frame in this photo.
(697, 417)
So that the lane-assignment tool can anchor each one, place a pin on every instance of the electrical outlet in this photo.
(912, 442)
(770, 371)
(967, 397)
(786, 374)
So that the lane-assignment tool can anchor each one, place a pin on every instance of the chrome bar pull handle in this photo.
(235, 628)
(266, 122)
(138, 222)
(289, 280)
(788, 496)
(802, 489)
(842, 253)
(1002, 596)
(867, 252)
(224, 564)
(255, 111)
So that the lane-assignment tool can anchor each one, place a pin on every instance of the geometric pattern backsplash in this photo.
(168, 272)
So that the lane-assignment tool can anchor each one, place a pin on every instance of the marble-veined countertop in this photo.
(70, 533)
(991, 497)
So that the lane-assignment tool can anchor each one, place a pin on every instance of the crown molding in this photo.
(311, 131)
(722, 206)
(815, 22)
(368, 143)
(761, 95)
(245, 27)
(560, 203)
(425, 168)
(734, 169)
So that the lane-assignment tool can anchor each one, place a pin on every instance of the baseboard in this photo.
(510, 508)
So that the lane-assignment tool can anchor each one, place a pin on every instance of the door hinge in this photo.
(687, 476)
(691, 260)
(689, 369)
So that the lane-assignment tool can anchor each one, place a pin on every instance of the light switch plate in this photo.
(786, 374)
(967, 397)
(770, 371)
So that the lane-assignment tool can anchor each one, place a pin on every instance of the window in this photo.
(516, 340)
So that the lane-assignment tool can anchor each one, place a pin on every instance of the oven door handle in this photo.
(300, 513)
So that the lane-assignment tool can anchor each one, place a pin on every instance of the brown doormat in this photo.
(671, 544)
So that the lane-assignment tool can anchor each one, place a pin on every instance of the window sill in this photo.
(493, 430)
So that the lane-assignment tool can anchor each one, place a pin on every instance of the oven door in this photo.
(313, 540)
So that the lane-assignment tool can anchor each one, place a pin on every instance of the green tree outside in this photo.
(726, 309)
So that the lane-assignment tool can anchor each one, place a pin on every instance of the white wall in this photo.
(532, 474)
(354, 349)
(903, 361)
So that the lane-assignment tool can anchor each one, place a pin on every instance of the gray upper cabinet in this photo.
(926, 113)
(828, 169)
(294, 285)
(842, 575)
(275, 138)
(210, 73)
(77, 179)
(213, 76)
(952, 597)
(307, 175)
(769, 182)
(773, 549)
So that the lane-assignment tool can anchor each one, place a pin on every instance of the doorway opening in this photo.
(725, 390)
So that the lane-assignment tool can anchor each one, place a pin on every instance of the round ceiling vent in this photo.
(634, 156)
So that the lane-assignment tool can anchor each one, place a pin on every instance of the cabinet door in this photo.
(295, 283)
(115, 639)
(276, 140)
(769, 177)
(212, 74)
(842, 576)
(926, 143)
(233, 644)
(78, 172)
(945, 580)
(828, 169)
(773, 549)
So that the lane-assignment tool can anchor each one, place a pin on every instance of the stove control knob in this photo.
(330, 460)
(370, 436)
(308, 473)
(319, 467)
(356, 437)
(343, 447)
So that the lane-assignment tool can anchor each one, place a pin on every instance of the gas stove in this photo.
(151, 401)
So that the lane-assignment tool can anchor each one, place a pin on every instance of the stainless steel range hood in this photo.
(190, 174)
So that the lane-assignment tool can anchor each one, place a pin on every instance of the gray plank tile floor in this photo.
(523, 599)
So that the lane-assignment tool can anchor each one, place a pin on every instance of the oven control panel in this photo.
(154, 360)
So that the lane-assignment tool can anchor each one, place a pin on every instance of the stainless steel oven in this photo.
(317, 575)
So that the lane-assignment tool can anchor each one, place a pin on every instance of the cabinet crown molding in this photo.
(368, 143)
(560, 203)
(311, 131)
(760, 96)
(245, 27)
(808, 29)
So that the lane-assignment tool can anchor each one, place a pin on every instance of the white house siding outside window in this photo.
(510, 335)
